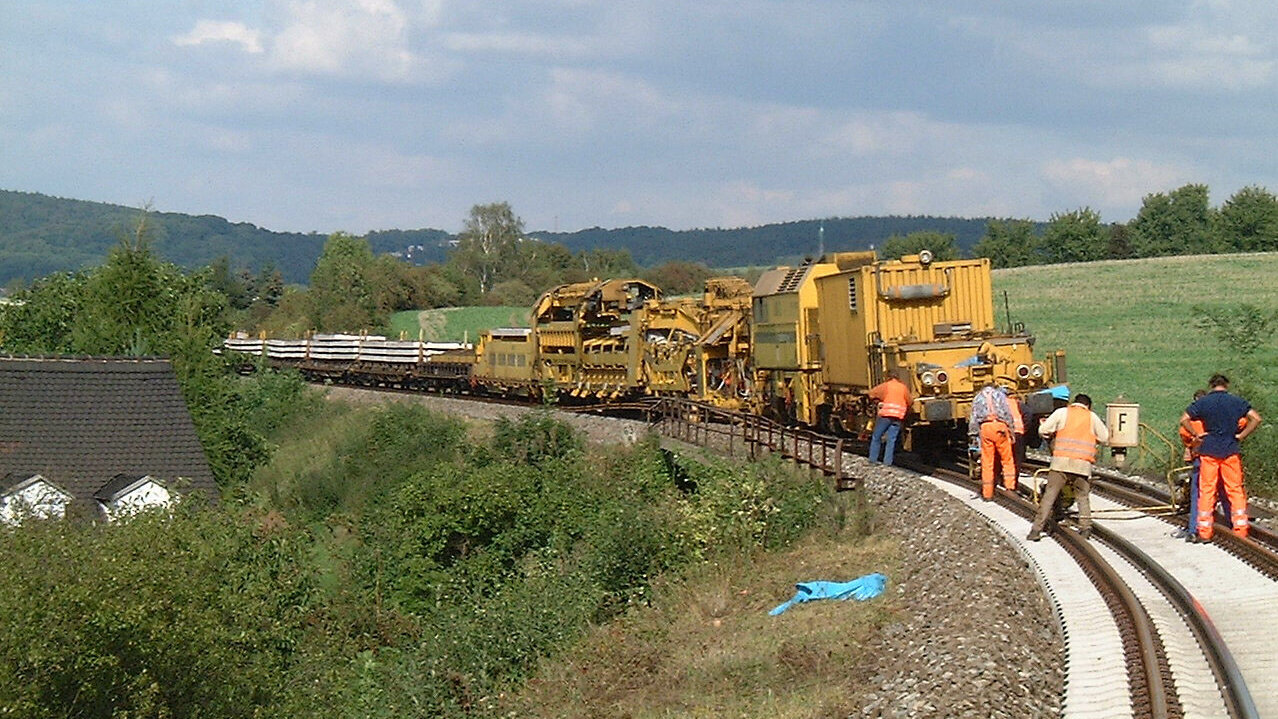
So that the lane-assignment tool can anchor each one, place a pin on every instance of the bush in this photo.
(416, 576)
(534, 438)
(761, 505)
(188, 615)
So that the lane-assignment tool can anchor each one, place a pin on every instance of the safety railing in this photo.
(708, 426)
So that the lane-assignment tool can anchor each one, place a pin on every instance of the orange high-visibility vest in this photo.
(896, 399)
(1076, 440)
(1018, 423)
(1189, 437)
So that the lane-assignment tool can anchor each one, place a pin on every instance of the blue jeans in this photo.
(1193, 498)
(891, 427)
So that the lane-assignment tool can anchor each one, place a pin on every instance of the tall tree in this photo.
(343, 292)
(1075, 236)
(1009, 243)
(488, 246)
(1120, 242)
(605, 262)
(1248, 220)
(136, 305)
(1179, 222)
(677, 277)
(941, 244)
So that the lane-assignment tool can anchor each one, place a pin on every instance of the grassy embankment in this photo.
(1127, 327)
(456, 324)
(702, 644)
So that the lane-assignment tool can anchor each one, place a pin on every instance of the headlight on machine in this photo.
(1037, 371)
(942, 377)
(928, 379)
(1023, 371)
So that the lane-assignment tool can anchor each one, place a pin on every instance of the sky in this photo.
(362, 115)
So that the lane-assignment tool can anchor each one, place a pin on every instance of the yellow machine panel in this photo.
(870, 309)
(827, 332)
(506, 355)
(785, 316)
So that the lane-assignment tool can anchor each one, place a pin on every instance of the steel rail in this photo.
(1238, 700)
(1259, 552)
(1147, 662)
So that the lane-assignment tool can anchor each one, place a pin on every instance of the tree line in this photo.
(1179, 222)
(493, 262)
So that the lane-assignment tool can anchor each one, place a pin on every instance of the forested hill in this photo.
(40, 234)
(766, 244)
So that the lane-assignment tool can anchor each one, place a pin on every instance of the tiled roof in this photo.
(80, 423)
(110, 491)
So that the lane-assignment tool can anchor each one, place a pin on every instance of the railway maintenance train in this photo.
(804, 345)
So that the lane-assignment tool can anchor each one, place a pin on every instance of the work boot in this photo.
(1034, 535)
(1085, 532)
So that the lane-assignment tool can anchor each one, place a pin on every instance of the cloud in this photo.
(1120, 182)
(561, 48)
(1199, 46)
(581, 99)
(345, 37)
(1200, 57)
(358, 39)
(207, 31)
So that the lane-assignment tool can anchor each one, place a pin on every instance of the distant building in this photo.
(95, 437)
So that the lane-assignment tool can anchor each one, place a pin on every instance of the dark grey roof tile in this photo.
(82, 422)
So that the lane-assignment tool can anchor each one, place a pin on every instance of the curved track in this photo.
(1155, 627)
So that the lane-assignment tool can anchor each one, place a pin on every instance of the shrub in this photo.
(183, 615)
(533, 438)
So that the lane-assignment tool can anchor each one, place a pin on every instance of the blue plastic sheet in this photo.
(861, 588)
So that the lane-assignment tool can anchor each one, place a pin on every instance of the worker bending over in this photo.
(1075, 432)
(894, 402)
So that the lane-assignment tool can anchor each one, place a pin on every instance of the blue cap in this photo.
(1060, 391)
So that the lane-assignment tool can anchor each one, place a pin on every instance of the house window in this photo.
(852, 293)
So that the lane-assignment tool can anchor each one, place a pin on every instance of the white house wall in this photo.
(40, 499)
(144, 496)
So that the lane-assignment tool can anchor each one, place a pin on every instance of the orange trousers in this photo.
(1214, 470)
(996, 438)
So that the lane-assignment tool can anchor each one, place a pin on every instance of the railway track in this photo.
(1155, 627)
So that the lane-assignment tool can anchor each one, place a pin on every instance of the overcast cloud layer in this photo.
(360, 115)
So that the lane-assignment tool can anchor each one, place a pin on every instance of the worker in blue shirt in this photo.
(1218, 451)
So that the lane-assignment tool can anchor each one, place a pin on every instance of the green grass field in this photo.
(455, 324)
(1127, 327)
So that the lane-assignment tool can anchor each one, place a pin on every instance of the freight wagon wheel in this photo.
(776, 409)
(825, 419)
(836, 425)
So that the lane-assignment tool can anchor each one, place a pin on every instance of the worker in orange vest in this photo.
(1075, 432)
(1220, 413)
(991, 420)
(894, 402)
